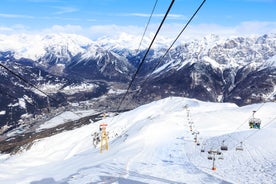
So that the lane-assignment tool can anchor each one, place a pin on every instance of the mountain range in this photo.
(72, 69)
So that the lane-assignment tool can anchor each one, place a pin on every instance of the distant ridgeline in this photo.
(77, 72)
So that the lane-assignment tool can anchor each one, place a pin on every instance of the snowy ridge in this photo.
(223, 53)
(131, 42)
(219, 52)
(35, 46)
(238, 69)
(153, 144)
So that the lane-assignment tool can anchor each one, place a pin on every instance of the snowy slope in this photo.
(153, 144)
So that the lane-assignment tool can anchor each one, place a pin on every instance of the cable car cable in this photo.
(147, 25)
(26, 81)
(32, 85)
(246, 121)
(142, 61)
(183, 29)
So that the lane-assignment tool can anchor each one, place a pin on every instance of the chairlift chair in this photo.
(221, 157)
(223, 147)
(254, 122)
(240, 147)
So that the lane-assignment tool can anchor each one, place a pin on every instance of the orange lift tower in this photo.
(104, 137)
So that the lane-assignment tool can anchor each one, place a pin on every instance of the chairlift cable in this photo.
(147, 25)
(32, 85)
(246, 121)
(255, 112)
(183, 29)
(270, 122)
(26, 81)
(142, 61)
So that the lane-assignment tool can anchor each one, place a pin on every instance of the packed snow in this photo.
(154, 144)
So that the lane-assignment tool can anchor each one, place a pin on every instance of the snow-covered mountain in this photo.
(154, 144)
(35, 47)
(239, 69)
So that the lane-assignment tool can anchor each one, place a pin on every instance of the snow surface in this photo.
(153, 144)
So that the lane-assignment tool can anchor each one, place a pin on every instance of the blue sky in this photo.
(96, 18)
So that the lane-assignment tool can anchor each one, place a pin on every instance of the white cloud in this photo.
(168, 30)
(65, 9)
(4, 30)
(4, 15)
(256, 27)
(170, 16)
(15, 29)
(112, 30)
(71, 29)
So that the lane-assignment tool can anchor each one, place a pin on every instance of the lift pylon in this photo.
(212, 156)
(104, 137)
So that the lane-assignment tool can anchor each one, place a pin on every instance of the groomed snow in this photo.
(153, 144)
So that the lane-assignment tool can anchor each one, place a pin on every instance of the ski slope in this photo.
(153, 144)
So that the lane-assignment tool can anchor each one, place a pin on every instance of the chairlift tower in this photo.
(104, 137)
(212, 156)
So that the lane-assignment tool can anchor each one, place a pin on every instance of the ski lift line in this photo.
(261, 106)
(26, 81)
(146, 28)
(183, 29)
(142, 61)
(32, 85)
(186, 25)
(270, 122)
(241, 143)
(255, 111)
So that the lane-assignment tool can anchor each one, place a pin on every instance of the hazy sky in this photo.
(97, 18)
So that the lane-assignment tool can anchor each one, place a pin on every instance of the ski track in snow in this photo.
(153, 144)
